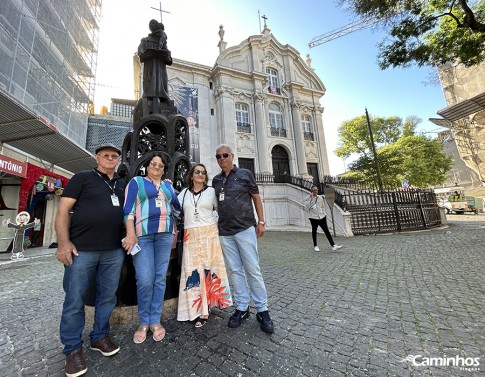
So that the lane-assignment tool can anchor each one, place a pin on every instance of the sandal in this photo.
(200, 322)
(140, 334)
(158, 332)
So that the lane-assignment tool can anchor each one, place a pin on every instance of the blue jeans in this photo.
(102, 267)
(151, 265)
(242, 264)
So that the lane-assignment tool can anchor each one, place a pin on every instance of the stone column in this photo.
(322, 145)
(298, 134)
(260, 133)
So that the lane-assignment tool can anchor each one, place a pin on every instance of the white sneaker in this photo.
(316, 248)
(336, 247)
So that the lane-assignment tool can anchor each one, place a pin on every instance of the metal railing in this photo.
(243, 127)
(373, 211)
(281, 132)
(389, 211)
(308, 136)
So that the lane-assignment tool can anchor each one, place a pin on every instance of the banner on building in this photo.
(187, 101)
(14, 167)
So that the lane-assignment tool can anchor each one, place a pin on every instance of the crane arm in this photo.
(337, 33)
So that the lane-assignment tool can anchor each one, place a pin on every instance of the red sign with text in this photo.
(14, 167)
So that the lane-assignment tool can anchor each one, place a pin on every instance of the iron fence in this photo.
(373, 211)
(390, 211)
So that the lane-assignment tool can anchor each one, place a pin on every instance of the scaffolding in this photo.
(48, 54)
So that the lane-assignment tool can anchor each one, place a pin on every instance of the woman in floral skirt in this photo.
(203, 279)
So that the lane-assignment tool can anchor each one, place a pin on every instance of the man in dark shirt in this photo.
(236, 191)
(89, 226)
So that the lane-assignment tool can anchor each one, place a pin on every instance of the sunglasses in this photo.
(157, 165)
(225, 155)
(197, 171)
(108, 156)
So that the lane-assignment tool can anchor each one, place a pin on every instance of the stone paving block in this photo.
(336, 314)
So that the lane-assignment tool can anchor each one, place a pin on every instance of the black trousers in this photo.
(323, 224)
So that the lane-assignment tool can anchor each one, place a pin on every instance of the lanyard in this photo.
(199, 194)
(107, 184)
(224, 180)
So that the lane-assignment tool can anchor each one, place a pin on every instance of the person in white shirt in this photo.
(203, 277)
(316, 206)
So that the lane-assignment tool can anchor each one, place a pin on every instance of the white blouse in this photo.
(206, 204)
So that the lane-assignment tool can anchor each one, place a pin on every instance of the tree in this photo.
(403, 155)
(432, 32)
(354, 135)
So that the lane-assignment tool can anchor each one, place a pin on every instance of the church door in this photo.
(281, 164)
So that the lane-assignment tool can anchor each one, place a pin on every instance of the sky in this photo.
(347, 66)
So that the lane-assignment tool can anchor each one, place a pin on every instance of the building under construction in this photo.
(48, 59)
(48, 53)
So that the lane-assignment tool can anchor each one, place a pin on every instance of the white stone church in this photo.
(263, 100)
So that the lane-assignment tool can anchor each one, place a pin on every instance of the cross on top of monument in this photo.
(264, 18)
(161, 11)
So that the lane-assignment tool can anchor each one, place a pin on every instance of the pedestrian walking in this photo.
(315, 204)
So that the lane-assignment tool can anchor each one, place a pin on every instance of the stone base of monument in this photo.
(126, 312)
(123, 315)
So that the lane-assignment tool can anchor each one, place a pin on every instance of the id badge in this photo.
(196, 216)
(221, 196)
(115, 200)
(158, 203)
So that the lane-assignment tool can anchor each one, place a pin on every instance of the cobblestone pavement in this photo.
(356, 312)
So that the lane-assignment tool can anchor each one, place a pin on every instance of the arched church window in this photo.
(274, 84)
(242, 118)
(306, 122)
(276, 120)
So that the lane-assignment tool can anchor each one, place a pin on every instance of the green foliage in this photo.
(354, 135)
(405, 155)
(430, 32)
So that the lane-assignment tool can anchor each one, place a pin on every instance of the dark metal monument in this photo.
(157, 127)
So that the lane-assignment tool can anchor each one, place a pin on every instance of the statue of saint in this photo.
(155, 57)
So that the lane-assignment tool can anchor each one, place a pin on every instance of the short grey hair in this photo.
(221, 146)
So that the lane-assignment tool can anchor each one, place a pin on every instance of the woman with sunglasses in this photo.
(203, 279)
(318, 218)
(150, 207)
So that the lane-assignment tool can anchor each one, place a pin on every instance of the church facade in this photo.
(263, 100)
(260, 98)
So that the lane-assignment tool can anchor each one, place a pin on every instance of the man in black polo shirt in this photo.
(89, 226)
(236, 191)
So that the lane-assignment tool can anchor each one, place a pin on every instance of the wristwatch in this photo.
(261, 222)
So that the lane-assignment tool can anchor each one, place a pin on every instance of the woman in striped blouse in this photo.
(150, 207)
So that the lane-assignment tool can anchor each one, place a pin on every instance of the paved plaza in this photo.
(384, 305)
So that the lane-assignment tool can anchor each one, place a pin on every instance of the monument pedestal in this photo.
(123, 315)
(126, 311)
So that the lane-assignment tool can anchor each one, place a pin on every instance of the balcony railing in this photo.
(243, 127)
(308, 136)
(274, 90)
(281, 132)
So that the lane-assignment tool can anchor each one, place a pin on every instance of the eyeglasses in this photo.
(108, 156)
(316, 190)
(197, 171)
(225, 155)
(157, 165)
